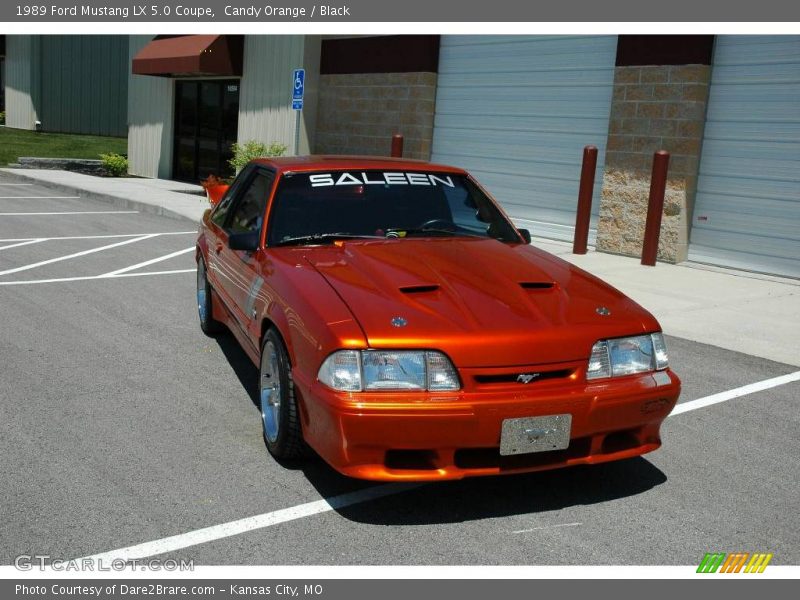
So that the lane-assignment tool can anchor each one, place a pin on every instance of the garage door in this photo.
(517, 111)
(747, 211)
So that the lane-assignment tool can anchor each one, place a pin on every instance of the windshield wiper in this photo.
(395, 231)
(323, 237)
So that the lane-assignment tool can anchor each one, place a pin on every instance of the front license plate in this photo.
(535, 434)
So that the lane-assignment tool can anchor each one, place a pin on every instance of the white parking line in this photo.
(735, 393)
(171, 272)
(76, 254)
(96, 237)
(38, 197)
(225, 530)
(216, 532)
(81, 212)
(91, 277)
(25, 243)
(547, 527)
(148, 262)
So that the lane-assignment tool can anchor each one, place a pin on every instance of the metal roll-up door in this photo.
(747, 210)
(517, 111)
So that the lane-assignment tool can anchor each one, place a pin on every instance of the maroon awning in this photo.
(191, 55)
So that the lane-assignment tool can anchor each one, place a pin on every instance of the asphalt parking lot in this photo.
(123, 425)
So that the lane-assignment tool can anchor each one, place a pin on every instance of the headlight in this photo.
(342, 371)
(626, 356)
(376, 370)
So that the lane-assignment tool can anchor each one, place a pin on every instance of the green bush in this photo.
(244, 153)
(115, 164)
(2, 117)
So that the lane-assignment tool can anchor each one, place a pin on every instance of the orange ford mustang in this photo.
(405, 330)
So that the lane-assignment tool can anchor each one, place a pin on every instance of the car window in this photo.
(248, 214)
(223, 208)
(464, 209)
(395, 204)
(471, 213)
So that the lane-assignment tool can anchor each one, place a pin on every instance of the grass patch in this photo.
(21, 142)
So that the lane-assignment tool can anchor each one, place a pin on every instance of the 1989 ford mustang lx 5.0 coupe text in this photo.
(405, 329)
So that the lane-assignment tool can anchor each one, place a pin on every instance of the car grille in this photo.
(519, 376)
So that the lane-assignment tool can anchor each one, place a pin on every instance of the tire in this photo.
(208, 324)
(280, 419)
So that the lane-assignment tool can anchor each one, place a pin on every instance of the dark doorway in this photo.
(206, 123)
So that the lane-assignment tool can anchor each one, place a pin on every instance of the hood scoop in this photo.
(537, 285)
(419, 289)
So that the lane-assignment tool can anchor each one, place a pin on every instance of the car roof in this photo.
(323, 162)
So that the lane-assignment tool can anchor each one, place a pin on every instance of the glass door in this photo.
(206, 124)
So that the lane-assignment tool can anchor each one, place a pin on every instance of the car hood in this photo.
(482, 302)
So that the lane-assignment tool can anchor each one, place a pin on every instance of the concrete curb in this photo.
(117, 201)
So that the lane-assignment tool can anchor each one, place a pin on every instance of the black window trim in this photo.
(249, 173)
(245, 176)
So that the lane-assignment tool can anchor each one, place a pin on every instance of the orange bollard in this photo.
(655, 207)
(397, 146)
(584, 214)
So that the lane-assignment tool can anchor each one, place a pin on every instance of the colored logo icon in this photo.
(737, 562)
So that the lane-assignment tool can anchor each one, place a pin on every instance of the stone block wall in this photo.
(359, 112)
(653, 108)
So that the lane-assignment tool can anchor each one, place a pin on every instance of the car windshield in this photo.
(318, 207)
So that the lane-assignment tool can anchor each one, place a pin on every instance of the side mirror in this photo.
(247, 241)
(526, 235)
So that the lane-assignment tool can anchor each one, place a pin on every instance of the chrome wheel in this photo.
(208, 324)
(270, 391)
(202, 298)
(280, 417)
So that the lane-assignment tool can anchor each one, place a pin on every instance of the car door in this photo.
(217, 236)
(238, 268)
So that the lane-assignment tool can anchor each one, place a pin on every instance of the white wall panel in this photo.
(747, 211)
(22, 53)
(265, 101)
(151, 107)
(516, 111)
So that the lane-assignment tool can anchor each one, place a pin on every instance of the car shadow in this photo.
(244, 369)
(468, 499)
(488, 497)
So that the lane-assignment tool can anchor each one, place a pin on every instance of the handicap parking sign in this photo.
(298, 87)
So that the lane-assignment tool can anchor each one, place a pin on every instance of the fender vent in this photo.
(419, 289)
(536, 285)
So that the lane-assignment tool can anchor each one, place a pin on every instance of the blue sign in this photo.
(298, 87)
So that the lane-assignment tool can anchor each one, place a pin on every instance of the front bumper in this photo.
(439, 436)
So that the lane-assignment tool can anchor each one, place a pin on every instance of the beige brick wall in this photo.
(653, 108)
(359, 113)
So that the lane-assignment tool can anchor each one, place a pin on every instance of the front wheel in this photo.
(208, 324)
(280, 418)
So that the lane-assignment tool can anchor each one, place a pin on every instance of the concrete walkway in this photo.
(746, 312)
(754, 314)
(159, 196)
